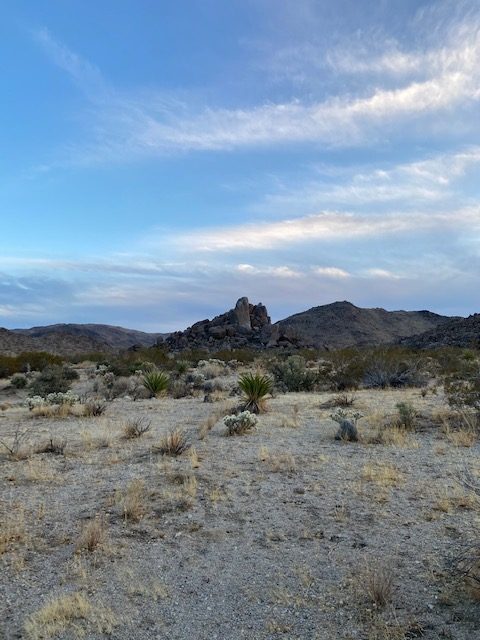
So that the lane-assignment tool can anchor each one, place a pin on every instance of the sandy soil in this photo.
(280, 533)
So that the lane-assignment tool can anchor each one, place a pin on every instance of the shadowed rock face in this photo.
(458, 332)
(246, 325)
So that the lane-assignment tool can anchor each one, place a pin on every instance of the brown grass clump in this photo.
(207, 426)
(92, 536)
(133, 501)
(382, 474)
(136, 428)
(12, 527)
(174, 443)
(52, 446)
(16, 447)
(463, 437)
(54, 411)
(377, 582)
(71, 614)
(93, 408)
(277, 462)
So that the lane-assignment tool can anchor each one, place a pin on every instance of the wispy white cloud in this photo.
(129, 126)
(324, 226)
(281, 271)
(423, 181)
(331, 272)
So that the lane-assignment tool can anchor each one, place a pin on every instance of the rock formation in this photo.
(246, 325)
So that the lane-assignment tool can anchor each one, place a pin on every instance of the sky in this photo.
(161, 158)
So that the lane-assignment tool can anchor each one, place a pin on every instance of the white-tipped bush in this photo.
(239, 424)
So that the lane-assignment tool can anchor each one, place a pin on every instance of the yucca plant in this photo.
(155, 382)
(256, 387)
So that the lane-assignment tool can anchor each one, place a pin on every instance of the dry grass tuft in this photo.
(93, 408)
(17, 447)
(174, 443)
(55, 411)
(461, 437)
(291, 422)
(52, 446)
(12, 527)
(92, 536)
(133, 501)
(194, 459)
(384, 475)
(71, 614)
(277, 462)
(376, 580)
(136, 428)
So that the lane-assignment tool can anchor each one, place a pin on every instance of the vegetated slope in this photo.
(342, 324)
(114, 337)
(458, 332)
(13, 343)
(68, 339)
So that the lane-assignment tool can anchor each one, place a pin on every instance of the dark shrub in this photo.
(50, 380)
(19, 381)
(293, 375)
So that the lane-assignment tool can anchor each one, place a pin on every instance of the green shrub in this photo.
(255, 387)
(19, 381)
(463, 392)
(293, 375)
(156, 382)
(406, 415)
(50, 380)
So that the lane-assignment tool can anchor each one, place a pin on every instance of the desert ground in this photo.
(282, 532)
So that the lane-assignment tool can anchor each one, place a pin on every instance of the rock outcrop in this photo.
(246, 325)
(458, 332)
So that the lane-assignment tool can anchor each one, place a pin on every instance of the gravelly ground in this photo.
(270, 536)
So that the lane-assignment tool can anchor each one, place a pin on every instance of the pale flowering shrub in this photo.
(68, 397)
(59, 398)
(241, 423)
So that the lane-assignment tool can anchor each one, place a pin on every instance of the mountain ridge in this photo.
(335, 325)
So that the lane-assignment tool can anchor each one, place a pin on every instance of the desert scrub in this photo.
(19, 381)
(136, 428)
(293, 375)
(406, 415)
(174, 443)
(239, 424)
(256, 387)
(52, 379)
(156, 382)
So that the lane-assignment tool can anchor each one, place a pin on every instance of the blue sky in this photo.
(160, 159)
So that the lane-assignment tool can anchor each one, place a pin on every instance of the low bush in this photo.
(174, 443)
(136, 428)
(239, 424)
(50, 380)
(406, 415)
(19, 381)
(293, 375)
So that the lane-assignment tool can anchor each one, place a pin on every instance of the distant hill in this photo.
(342, 324)
(331, 326)
(458, 332)
(69, 339)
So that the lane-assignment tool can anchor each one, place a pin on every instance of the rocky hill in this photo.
(69, 339)
(246, 325)
(342, 324)
(331, 326)
(458, 332)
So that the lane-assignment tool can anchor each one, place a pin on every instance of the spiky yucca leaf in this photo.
(256, 387)
(156, 382)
